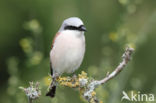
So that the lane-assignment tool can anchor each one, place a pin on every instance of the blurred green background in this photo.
(27, 28)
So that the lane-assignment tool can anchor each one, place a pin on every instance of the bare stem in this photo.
(126, 58)
(29, 100)
(92, 85)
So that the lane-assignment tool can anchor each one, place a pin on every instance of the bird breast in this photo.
(68, 51)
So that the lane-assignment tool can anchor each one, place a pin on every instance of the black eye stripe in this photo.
(69, 27)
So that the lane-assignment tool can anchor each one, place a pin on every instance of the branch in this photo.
(91, 87)
(126, 58)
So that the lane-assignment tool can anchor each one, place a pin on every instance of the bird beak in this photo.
(83, 28)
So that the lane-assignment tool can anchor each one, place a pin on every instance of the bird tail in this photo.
(51, 92)
(52, 89)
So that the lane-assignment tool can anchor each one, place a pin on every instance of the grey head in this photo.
(72, 23)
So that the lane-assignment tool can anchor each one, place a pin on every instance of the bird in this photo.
(67, 50)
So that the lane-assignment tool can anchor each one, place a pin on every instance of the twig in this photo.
(90, 88)
(29, 100)
(126, 57)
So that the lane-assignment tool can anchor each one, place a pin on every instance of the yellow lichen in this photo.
(92, 100)
(71, 82)
(93, 93)
(83, 75)
(74, 82)
(68, 81)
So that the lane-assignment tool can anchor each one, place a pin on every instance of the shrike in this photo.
(67, 50)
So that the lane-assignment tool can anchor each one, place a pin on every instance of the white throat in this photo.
(75, 33)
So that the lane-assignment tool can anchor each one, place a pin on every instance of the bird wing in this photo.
(51, 69)
(57, 34)
(52, 88)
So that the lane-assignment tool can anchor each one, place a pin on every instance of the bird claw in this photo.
(56, 75)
